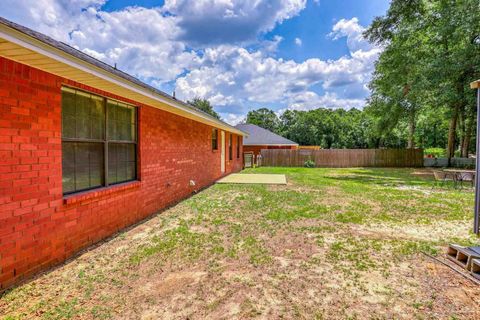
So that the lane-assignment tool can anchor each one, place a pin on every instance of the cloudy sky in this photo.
(239, 54)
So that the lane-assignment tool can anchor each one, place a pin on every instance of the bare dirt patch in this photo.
(343, 248)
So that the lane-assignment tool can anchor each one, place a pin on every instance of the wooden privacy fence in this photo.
(343, 158)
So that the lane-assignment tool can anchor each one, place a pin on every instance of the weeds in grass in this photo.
(353, 251)
(258, 254)
(65, 310)
(340, 227)
(179, 240)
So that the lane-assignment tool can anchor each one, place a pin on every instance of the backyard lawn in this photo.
(331, 244)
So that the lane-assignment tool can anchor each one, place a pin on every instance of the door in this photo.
(222, 165)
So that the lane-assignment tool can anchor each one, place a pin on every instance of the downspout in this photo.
(477, 170)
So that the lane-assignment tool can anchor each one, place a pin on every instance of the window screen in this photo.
(238, 147)
(230, 155)
(214, 139)
(95, 129)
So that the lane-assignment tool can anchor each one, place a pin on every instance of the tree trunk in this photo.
(411, 129)
(452, 133)
(468, 134)
(461, 127)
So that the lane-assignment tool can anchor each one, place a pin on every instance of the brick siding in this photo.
(39, 227)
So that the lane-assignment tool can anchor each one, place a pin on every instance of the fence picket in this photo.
(344, 157)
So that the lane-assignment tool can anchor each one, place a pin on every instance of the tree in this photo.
(453, 27)
(328, 128)
(264, 118)
(431, 55)
(398, 79)
(205, 106)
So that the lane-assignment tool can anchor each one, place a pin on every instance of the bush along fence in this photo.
(468, 163)
(343, 158)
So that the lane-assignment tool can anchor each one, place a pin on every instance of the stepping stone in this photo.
(463, 256)
(475, 270)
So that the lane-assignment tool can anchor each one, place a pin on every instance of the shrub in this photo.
(435, 152)
(309, 164)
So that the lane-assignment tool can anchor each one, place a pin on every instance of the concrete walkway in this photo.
(254, 178)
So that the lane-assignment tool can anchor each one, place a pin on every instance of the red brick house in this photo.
(86, 150)
(259, 138)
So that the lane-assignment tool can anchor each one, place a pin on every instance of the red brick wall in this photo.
(38, 226)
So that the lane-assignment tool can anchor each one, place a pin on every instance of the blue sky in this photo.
(241, 55)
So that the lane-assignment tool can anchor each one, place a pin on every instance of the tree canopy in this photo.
(205, 106)
(264, 118)
(420, 94)
(431, 54)
(330, 128)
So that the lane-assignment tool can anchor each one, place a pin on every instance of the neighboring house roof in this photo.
(35, 49)
(258, 136)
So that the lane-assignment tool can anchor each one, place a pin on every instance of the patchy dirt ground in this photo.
(332, 244)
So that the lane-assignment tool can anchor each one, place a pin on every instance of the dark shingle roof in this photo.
(259, 136)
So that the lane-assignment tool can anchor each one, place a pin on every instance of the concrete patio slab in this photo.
(254, 179)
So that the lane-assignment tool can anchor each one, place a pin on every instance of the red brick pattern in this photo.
(38, 226)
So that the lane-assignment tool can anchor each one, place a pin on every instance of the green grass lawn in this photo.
(331, 244)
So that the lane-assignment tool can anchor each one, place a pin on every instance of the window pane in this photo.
(83, 115)
(121, 122)
(131, 170)
(111, 108)
(97, 118)
(122, 171)
(124, 130)
(68, 101)
(214, 139)
(121, 162)
(96, 174)
(68, 126)
(238, 147)
(68, 113)
(82, 177)
(130, 151)
(68, 167)
(82, 153)
(84, 118)
(82, 165)
(230, 148)
(83, 128)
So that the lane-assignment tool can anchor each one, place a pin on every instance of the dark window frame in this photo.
(214, 139)
(230, 149)
(238, 147)
(104, 178)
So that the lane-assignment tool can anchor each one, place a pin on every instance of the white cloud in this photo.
(140, 41)
(229, 21)
(309, 100)
(245, 78)
(155, 45)
(352, 30)
(232, 118)
(54, 18)
(298, 42)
